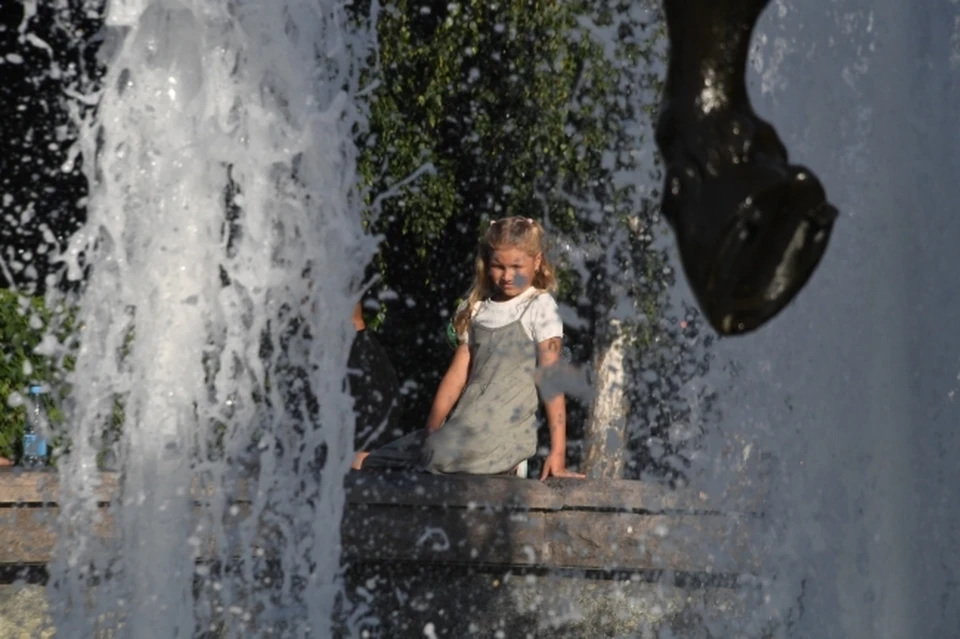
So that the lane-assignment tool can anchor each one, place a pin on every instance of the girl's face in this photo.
(511, 271)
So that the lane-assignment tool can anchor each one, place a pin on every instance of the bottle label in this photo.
(34, 449)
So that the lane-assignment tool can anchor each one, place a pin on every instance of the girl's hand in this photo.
(555, 466)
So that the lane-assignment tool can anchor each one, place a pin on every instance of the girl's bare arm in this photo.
(450, 388)
(548, 355)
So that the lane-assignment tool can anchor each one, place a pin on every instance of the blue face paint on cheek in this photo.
(520, 280)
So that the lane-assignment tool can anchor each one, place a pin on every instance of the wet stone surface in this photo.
(23, 612)
(408, 601)
(402, 601)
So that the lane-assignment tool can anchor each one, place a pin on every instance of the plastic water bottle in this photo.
(34, 444)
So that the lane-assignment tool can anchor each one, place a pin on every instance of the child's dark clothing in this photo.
(375, 389)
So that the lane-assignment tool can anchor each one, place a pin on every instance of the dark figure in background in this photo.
(375, 389)
(751, 228)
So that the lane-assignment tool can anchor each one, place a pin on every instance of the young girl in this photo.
(483, 419)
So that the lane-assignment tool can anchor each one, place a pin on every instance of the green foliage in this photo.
(484, 109)
(518, 110)
(542, 109)
(23, 324)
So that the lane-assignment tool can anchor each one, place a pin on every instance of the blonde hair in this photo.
(523, 233)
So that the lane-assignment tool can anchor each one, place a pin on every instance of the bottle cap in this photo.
(36, 389)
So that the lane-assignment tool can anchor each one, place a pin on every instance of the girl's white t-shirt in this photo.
(541, 320)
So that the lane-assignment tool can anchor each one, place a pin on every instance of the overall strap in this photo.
(527, 306)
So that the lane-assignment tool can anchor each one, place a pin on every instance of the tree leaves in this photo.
(516, 108)
(23, 324)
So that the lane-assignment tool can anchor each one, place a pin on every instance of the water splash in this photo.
(223, 232)
(848, 397)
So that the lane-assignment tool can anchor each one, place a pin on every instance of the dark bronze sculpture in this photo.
(751, 228)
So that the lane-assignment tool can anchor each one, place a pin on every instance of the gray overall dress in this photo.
(493, 426)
